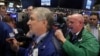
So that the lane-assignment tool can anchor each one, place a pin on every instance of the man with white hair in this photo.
(40, 24)
(79, 42)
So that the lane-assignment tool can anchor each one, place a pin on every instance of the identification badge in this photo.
(35, 52)
(11, 35)
(15, 31)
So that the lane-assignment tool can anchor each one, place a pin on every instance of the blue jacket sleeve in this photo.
(21, 51)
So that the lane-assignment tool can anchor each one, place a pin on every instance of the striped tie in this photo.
(31, 49)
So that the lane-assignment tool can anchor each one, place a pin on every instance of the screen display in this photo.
(11, 4)
(45, 2)
(88, 4)
(11, 10)
(14, 16)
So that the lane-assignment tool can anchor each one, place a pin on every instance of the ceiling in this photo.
(97, 2)
(62, 3)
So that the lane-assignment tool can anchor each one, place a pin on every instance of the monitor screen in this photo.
(45, 2)
(88, 4)
(14, 16)
(11, 4)
(11, 10)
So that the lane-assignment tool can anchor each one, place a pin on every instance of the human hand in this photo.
(59, 35)
(13, 43)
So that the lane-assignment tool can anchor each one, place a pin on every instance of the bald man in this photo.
(79, 42)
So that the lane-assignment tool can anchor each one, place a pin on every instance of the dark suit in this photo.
(46, 47)
(2, 36)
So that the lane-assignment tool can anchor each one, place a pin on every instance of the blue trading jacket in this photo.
(45, 48)
(5, 29)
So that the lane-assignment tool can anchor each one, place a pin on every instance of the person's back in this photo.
(2, 36)
(5, 31)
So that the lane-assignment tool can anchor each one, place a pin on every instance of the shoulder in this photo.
(1, 24)
(1, 28)
(88, 36)
(86, 33)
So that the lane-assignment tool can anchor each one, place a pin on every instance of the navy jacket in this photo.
(46, 47)
(2, 36)
(5, 49)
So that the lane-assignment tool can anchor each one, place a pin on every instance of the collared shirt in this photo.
(34, 50)
(94, 31)
(75, 35)
(39, 38)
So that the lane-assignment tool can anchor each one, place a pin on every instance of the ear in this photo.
(45, 22)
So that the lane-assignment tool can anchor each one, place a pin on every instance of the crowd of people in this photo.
(40, 33)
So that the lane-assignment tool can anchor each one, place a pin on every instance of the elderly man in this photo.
(40, 22)
(79, 42)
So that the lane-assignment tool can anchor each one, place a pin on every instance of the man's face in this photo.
(73, 24)
(3, 9)
(86, 18)
(35, 25)
(29, 9)
(93, 20)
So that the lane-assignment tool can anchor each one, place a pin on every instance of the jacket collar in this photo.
(78, 38)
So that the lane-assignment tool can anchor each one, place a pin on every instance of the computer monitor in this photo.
(88, 4)
(11, 10)
(14, 16)
(11, 4)
(45, 2)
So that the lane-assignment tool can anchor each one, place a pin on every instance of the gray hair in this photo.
(44, 14)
